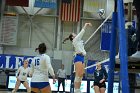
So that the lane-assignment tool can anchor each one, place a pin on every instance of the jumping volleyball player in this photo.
(79, 58)
(40, 68)
(22, 74)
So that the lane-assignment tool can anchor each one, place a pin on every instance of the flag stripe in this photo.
(73, 16)
(70, 11)
(62, 11)
(79, 9)
(76, 15)
(66, 13)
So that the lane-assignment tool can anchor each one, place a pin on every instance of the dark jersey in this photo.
(99, 75)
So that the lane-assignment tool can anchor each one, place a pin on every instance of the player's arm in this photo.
(58, 72)
(105, 74)
(18, 71)
(31, 70)
(50, 69)
(80, 35)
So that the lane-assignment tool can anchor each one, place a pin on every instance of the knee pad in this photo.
(77, 91)
(78, 79)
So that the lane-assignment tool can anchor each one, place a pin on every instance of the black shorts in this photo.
(100, 85)
(22, 82)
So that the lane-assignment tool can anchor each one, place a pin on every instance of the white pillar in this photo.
(59, 35)
(1, 49)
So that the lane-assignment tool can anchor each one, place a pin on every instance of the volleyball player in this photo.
(22, 74)
(79, 57)
(40, 68)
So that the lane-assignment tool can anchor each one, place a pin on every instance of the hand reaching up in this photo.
(88, 24)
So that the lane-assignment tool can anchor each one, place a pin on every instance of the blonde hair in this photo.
(98, 63)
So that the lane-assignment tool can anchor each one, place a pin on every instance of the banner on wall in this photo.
(106, 36)
(9, 29)
(46, 4)
(13, 61)
(24, 3)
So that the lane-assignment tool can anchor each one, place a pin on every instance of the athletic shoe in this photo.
(136, 55)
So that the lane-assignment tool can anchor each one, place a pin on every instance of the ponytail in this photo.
(70, 37)
(65, 40)
(36, 49)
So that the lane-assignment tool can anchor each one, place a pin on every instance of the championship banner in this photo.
(106, 36)
(9, 29)
(46, 4)
(13, 61)
(24, 3)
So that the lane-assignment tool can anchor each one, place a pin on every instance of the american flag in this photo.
(17, 3)
(126, 9)
(70, 10)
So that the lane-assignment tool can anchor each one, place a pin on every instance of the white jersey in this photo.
(61, 73)
(22, 73)
(40, 68)
(78, 43)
